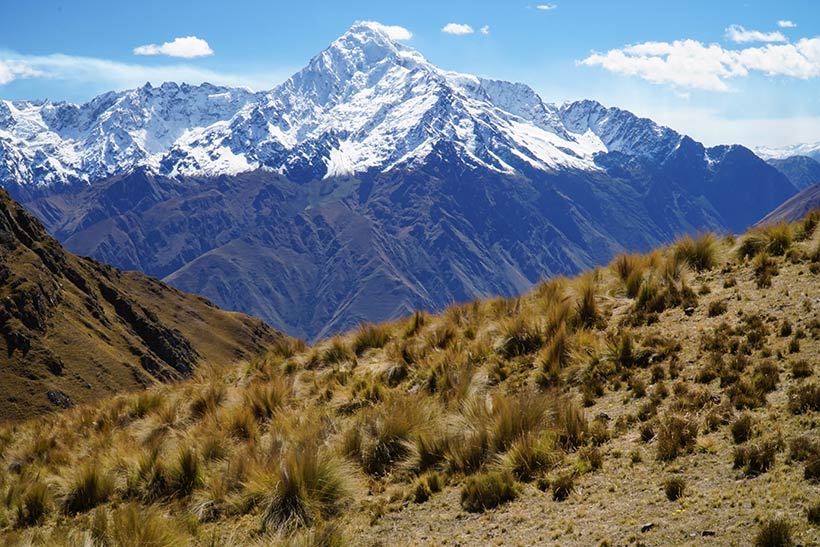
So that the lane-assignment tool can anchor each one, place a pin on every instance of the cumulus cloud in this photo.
(786, 24)
(692, 64)
(485, 30)
(101, 74)
(546, 7)
(395, 32)
(737, 33)
(458, 29)
(186, 47)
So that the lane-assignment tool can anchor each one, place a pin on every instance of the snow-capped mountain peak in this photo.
(365, 102)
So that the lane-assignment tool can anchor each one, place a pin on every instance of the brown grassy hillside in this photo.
(668, 399)
(74, 330)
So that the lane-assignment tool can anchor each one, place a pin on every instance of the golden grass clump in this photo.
(307, 486)
(91, 486)
(520, 335)
(138, 526)
(630, 270)
(370, 336)
(487, 490)
(698, 253)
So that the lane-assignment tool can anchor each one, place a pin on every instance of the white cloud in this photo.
(458, 29)
(786, 24)
(737, 33)
(485, 30)
(692, 64)
(11, 70)
(186, 47)
(102, 74)
(394, 32)
(546, 7)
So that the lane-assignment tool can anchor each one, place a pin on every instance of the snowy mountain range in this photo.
(366, 102)
(811, 150)
(369, 184)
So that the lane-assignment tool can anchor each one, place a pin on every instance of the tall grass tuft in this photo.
(700, 253)
(774, 533)
(138, 526)
(310, 485)
(519, 336)
(370, 336)
(90, 487)
(33, 504)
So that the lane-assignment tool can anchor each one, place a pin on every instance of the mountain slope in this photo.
(666, 399)
(372, 183)
(802, 171)
(795, 207)
(74, 330)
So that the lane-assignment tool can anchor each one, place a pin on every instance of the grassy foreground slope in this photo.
(667, 399)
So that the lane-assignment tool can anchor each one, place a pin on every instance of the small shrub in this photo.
(766, 376)
(743, 428)
(676, 434)
(744, 394)
(530, 455)
(718, 307)
(803, 448)
(755, 459)
(424, 487)
(812, 471)
(88, 489)
(562, 485)
(813, 513)
(774, 533)
(589, 459)
(487, 490)
(674, 487)
(765, 267)
(804, 398)
(801, 369)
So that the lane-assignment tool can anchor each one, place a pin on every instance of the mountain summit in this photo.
(369, 184)
(366, 102)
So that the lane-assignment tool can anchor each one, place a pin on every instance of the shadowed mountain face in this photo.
(802, 171)
(73, 329)
(315, 258)
(369, 184)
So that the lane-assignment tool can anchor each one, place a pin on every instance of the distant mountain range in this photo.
(73, 329)
(369, 184)
(811, 150)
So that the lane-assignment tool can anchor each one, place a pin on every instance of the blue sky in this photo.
(724, 71)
